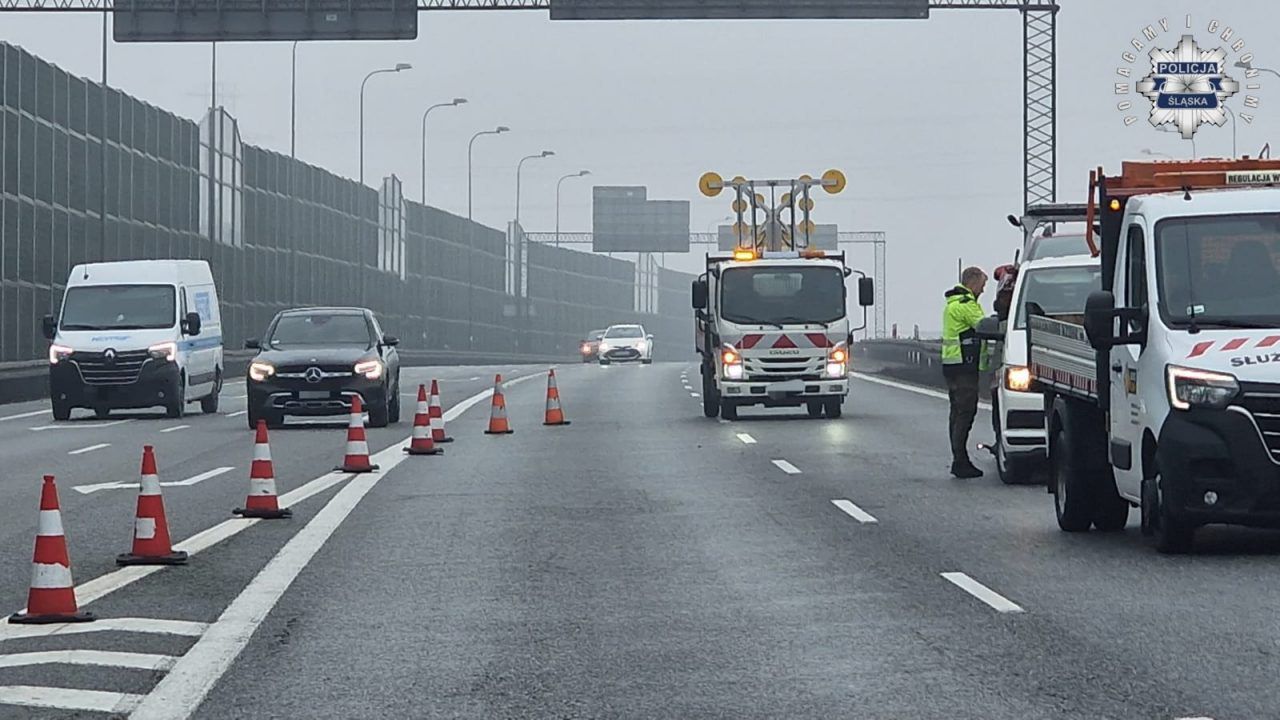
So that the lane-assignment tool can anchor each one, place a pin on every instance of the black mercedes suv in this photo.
(312, 361)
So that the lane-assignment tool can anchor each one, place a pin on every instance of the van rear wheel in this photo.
(209, 405)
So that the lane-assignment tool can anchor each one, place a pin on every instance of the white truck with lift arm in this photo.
(771, 324)
(1167, 396)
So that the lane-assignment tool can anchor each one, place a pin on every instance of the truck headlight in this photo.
(837, 361)
(1201, 388)
(58, 353)
(1017, 378)
(260, 371)
(371, 369)
(166, 351)
(732, 362)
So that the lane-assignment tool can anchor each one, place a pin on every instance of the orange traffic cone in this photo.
(437, 416)
(422, 443)
(52, 597)
(262, 501)
(150, 528)
(357, 457)
(555, 415)
(498, 415)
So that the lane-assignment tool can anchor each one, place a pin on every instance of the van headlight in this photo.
(260, 371)
(371, 369)
(1200, 388)
(166, 351)
(58, 353)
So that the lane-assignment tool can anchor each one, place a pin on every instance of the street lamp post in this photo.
(293, 104)
(454, 103)
(580, 173)
(471, 245)
(519, 168)
(1233, 131)
(1249, 66)
(400, 67)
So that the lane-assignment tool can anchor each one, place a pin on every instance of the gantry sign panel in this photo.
(738, 9)
(228, 20)
(625, 220)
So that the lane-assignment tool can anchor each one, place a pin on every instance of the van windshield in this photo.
(1057, 291)
(1219, 270)
(118, 307)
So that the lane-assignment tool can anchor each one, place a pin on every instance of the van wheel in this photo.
(1173, 535)
(177, 405)
(61, 411)
(1072, 501)
(102, 412)
(209, 405)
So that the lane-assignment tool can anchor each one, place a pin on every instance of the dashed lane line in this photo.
(95, 487)
(20, 416)
(746, 439)
(694, 394)
(787, 467)
(175, 428)
(89, 449)
(995, 600)
(81, 425)
(237, 413)
(854, 511)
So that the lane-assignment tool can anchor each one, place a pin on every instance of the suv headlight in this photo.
(1017, 378)
(59, 352)
(1200, 388)
(166, 351)
(259, 371)
(371, 369)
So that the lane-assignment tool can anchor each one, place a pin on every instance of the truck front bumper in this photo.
(785, 393)
(1218, 455)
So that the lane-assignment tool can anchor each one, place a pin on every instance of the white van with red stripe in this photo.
(773, 330)
(1167, 396)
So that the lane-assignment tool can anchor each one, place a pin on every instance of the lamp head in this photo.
(459, 101)
(403, 66)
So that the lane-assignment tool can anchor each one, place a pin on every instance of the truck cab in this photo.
(772, 329)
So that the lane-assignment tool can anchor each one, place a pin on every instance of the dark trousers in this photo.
(962, 388)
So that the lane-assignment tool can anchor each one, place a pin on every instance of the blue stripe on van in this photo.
(201, 343)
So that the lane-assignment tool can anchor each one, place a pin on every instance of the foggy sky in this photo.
(925, 117)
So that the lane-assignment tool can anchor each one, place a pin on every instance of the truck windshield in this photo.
(1219, 270)
(1052, 246)
(777, 295)
(118, 307)
(321, 329)
(1057, 291)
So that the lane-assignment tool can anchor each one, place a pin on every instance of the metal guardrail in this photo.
(914, 361)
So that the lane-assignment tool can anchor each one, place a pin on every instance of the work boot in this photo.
(965, 470)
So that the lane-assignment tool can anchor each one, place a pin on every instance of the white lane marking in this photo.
(81, 425)
(194, 479)
(89, 449)
(24, 415)
(68, 699)
(998, 602)
(746, 439)
(912, 388)
(181, 691)
(101, 658)
(96, 487)
(237, 397)
(237, 413)
(787, 467)
(694, 394)
(854, 511)
(175, 428)
(104, 585)
(86, 489)
(153, 626)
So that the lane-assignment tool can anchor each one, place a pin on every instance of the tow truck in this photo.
(1166, 396)
(771, 319)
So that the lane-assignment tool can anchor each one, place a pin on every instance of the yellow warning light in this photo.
(786, 199)
(834, 182)
(759, 200)
(744, 254)
(806, 226)
(806, 178)
(1115, 204)
(741, 229)
(740, 206)
(812, 252)
(710, 184)
(738, 180)
(807, 204)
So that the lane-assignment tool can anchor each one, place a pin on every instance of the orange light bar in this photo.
(812, 252)
(744, 254)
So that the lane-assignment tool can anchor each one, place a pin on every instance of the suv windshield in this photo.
(118, 307)
(625, 331)
(1057, 291)
(1219, 269)
(321, 329)
(790, 294)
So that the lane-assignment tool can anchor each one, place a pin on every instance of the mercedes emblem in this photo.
(313, 375)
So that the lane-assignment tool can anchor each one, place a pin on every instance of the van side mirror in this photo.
(49, 326)
(700, 294)
(390, 340)
(253, 344)
(191, 324)
(1099, 317)
(988, 328)
(866, 292)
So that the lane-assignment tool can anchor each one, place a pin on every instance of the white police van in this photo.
(136, 334)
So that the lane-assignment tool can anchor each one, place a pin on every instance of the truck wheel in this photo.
(1112, 514)
(710, 398)
(209, 404)
(815, 408)
(1072, 500)
(728, 410)
(834, 408)
(61, 411)
(1173, 535)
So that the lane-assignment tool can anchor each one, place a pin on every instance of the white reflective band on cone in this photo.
(359, 447)
(150, 485)
(423, 408)
(50, 524)
(421, 432)
(144, 528)
(355, 420)
(50, 576)
(262, 486)
(437, 422)
(261, 451)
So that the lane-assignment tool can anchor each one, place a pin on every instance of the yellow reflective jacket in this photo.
(960, 344)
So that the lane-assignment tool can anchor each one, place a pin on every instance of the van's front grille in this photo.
(123, 369)
(1262, 401)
